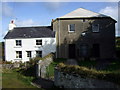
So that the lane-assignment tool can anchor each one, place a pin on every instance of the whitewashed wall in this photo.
(48, 46)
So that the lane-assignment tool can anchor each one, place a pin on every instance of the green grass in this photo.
(50, 68)
(87, 63)
(114, 66)
(12, 79)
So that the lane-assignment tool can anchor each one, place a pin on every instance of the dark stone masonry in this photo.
(65, 80)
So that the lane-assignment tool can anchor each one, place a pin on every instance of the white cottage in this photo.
(23, 43)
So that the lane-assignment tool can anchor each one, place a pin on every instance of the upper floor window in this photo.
(39, 42)
(29, 54)
(38, 53)
(18, 54)
(71, 27)
(95, 28)
(18, 43)
(83, 20)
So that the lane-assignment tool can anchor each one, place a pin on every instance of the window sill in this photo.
(17, 46)
(38, 46)
(18, 59)
(71, 31)
(29, 57)
(95, 31)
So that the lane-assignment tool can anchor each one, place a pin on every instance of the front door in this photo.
(71, 51)
(96, 50)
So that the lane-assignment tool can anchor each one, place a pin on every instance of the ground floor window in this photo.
(72, 51)
(29, 54)
(84, 50)
(18, 54)
(38, 53)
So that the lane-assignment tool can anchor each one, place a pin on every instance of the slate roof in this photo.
(82, 13)
(30, 32)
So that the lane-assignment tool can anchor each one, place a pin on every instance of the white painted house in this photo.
(23, 43)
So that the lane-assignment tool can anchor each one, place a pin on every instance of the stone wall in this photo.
(65, 80)
(42, 65)
(7, 66)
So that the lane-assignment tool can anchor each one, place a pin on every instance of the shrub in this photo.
(30, 66)
(6, 62)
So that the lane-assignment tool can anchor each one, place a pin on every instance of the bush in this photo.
(30, 66)
(6, 62)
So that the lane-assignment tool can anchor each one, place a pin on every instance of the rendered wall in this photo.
(48, 46)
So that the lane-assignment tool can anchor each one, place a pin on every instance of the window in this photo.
(38, 42)
(71, 27)
(38, 53)
(84, 50)
(83, 20)
(18, 54)
(18, 43)
(29, 54)
(95, 27)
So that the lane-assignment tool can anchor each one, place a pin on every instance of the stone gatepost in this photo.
(38, 68)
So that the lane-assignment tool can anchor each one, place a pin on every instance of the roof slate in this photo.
(30, 32)
(82, 13)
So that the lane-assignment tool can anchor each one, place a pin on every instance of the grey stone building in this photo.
(85, 34)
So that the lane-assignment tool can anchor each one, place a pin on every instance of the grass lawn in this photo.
(50, 68)
(12, 79)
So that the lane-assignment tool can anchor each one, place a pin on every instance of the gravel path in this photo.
(43, 83)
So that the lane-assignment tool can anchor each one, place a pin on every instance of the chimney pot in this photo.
(12, 21)
(11, 25)
(52, 20)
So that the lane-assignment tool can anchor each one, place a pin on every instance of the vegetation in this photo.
(50, 68)
(88, 63)
(118, 47)
(118, 42)
(114, 66)
(13, 79)
(29, 68)
(84, 72)
(23, 76)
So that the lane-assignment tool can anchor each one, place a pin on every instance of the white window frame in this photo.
(18, 54)
(39, 43)
(40, 55)
(18, 43)
(93, 28)
(29, 54)
(69, 30)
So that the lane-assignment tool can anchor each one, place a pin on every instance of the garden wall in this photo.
(7, 66)
(65, 80)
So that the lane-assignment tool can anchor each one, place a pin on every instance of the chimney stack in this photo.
(11, 25)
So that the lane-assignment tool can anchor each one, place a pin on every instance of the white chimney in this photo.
(11, 25)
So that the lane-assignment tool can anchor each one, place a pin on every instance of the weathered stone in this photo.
(41, 67)
(76, 81)
(8, 66)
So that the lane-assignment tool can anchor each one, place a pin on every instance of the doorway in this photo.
(71, 51)
(96, 50)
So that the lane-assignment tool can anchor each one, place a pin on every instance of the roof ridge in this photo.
(82, 12)
(32, 26)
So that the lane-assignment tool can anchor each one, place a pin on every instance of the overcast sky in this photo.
(41, 13)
